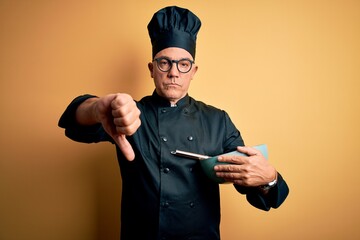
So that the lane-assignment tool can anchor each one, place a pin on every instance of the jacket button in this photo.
(163, 110)
(191, 204)
(166, 170)
(164, 139)
(190, 138)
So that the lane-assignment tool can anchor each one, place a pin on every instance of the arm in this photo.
(85, 113)
(117, 113)
(248, 173)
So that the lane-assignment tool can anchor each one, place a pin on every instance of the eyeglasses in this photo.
(165, 64)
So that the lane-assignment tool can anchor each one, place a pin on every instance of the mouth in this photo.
(169, 85)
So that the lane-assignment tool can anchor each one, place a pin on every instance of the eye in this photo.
(184, 63)
(164, 62)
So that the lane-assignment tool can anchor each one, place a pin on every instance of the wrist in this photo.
(95, 115)
(86, 113)
(270, 185)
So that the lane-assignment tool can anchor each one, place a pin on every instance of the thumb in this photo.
(125, 147)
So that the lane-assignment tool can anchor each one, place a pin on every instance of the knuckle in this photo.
(138, 123)
(120, 100)
(227, 168)
(126, 120)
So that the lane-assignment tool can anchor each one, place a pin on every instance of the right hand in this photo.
(119, 117)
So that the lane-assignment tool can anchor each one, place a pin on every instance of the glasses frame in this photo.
(171, 62)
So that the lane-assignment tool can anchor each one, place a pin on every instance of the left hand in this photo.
(251, 171)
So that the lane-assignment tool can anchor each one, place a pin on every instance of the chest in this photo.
(183, 129)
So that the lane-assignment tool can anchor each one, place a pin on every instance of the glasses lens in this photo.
(164, 64)
(184, 65)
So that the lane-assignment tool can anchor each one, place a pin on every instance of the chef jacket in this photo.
(166, 196)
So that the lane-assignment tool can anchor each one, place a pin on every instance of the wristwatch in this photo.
(269, 185)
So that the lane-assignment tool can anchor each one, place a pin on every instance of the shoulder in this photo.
(204, 107)
(143, 102)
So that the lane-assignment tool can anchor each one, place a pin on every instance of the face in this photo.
(172, 85)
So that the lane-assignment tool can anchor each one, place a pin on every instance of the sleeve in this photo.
(273, 199)
(232, 137)
(79, 133)
(276, 195)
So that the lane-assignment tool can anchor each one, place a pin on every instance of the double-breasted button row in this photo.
(167, 170)
(164, 139)
(166, 204)
(164, 110)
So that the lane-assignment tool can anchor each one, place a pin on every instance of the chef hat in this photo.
(174, 27)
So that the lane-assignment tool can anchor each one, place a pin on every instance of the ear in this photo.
(193, 71)
(151, 69)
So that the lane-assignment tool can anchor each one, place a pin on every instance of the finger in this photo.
(248, 150)
(127, 119)
(229, 175)
(125, 147)
(123, 110)
(235, 178)
(228, 168)
(232, 159)
(120, 100)
(130, 129)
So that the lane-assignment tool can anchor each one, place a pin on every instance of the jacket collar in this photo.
(163, 102)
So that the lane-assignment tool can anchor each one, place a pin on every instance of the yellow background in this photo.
(287, 72)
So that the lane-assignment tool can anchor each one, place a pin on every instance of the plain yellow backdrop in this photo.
(287, 72)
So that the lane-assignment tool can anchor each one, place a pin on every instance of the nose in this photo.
(173, 72)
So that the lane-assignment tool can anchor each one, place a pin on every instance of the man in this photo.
(166, 196)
